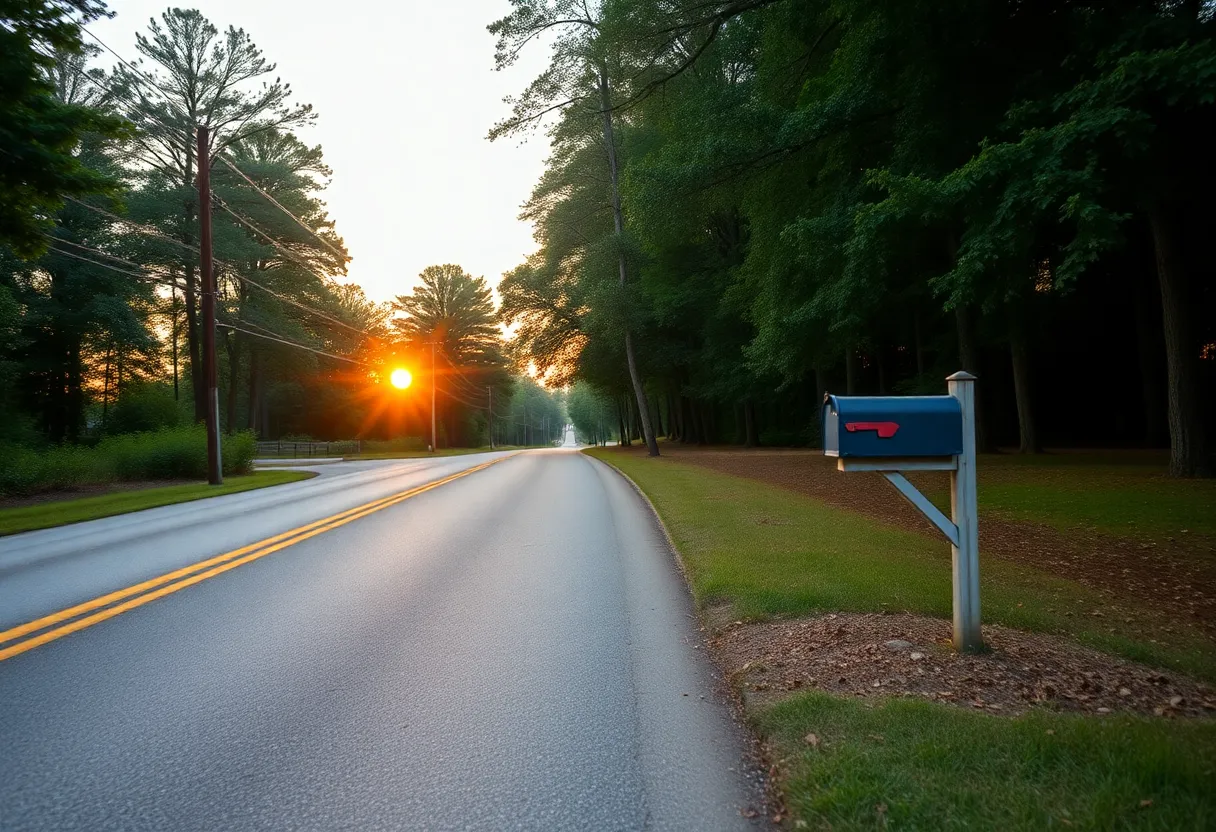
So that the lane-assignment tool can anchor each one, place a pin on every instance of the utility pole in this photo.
(215, 470)
(490, 394)
(434, 384)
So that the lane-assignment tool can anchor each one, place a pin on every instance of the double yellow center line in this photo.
(57, 625)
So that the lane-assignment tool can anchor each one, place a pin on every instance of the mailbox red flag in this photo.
(885, 429)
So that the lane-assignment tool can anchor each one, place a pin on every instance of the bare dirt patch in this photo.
(1174, 574)
(875, 654)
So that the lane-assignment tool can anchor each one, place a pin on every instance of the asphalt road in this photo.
(513, 649)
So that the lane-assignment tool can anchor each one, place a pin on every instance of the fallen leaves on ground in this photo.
(872, 655)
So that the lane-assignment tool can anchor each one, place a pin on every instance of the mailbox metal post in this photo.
(964, 510)
(893, 434)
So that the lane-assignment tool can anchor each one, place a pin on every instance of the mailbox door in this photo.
(892, 426)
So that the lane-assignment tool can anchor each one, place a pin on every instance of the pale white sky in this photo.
(405, 91)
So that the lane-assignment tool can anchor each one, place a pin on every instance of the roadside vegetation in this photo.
(62, 511)
(101, 329)
(761, 548)
(904, 764)
(170, 454)
(1122, 494)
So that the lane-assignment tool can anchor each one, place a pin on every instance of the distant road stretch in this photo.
(493, 641)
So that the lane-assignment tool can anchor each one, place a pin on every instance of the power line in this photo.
(146, 229)
(172, 104)
(278, 205)
(83, 247)
(141, 276)
(292, 256)
(290, 343)
(194, 250)
(233, 271)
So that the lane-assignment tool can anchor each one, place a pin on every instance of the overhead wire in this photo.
(234, 272)
(279, 205)
(142, 276)
(151, 231)
(253, 334)
(146, 229)
(224, 205)
(139, 75)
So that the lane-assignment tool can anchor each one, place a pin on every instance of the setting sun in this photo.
(401, 379)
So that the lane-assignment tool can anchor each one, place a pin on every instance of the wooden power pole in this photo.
(215, 471)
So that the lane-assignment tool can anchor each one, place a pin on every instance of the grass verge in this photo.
(920, 765)
(61, 512)
(1090, 492)
(769, 552)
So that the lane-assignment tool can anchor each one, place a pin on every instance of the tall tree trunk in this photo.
(75, 391)
(1188, 442)
(920, 344)
(850, 371)
(255, 393)
(821, 392)
(968, 356)
(752, 435)
(618, 220)
(174, 337)
(1019, 352)
(622, 434)
(198, 379)
(233, 344)
(1150, 350)
(657, 410)
(105, 393)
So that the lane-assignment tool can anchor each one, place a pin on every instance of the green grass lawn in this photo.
(911, 764)
(772, 552)
(920, 765)
(61, 512)
(1109, 493)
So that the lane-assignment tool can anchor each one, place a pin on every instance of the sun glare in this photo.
(401, 379)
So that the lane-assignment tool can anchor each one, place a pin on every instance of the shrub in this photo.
(143, 408)
(239, 451)
(178, 453)
(171, 454)
(26, 471)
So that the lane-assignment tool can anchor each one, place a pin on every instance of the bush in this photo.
(178, 453)
(172, 454)
(26, 471)
(143, 408)
(239, 451)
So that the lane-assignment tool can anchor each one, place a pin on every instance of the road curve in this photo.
(514, 649)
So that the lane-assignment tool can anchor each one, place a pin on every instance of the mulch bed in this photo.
(1174, 574)
(885, 655)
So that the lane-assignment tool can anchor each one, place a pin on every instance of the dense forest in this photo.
(751, 202)
(100, 284)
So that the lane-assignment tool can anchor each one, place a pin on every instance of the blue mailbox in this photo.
(893, 434)
(892, 426)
